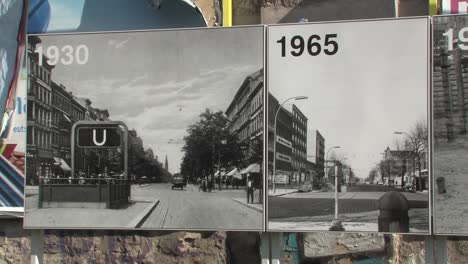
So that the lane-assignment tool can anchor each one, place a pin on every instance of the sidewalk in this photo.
(76, 218)
(281, 192)
(255, 206)
(365, 221)
(354, 195)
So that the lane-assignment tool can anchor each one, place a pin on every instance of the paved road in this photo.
(192, 209)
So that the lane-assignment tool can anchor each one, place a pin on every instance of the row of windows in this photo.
(298, 164)
(299, 141)
(300, 153)
(256, 123)
(299, 129)
(244, 134)
(61, 103)
(77, 114)
(39, 71)
(39, 114)
(61, 139)
(299, 119)
(257, 101)
(39, 137)
(42, 94)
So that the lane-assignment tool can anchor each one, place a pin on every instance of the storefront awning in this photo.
(220, 173)
(235, 173)
(67, 118)
(252, 168)
(62, 164)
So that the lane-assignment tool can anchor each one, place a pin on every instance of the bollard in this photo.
(440, 181)
(393, 213)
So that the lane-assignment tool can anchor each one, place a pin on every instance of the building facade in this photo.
(283, 141)
(404, 167)
(316, 152)
(245, 113)
(39, 119)
(299, 145)
(61, 129)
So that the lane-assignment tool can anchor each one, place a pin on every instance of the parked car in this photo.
(305, 187)
(178, 182)
(142, 180)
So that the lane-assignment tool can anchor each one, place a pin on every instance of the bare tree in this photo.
(418, 144)
(404, 154)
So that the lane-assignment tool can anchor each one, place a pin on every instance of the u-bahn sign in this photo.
(99, 136)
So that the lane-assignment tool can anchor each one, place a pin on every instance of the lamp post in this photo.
(336, 190)
(274, 135)
(336, 224)
(326, 159)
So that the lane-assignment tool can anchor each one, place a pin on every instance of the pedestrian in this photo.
(250, 189)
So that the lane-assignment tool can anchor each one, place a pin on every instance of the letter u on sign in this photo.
(99, 137)
(104, 138)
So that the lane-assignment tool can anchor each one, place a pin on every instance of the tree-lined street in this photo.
(178, 209)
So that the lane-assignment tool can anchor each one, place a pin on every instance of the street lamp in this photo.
(274, 135)
(326, 159)
(336, 224)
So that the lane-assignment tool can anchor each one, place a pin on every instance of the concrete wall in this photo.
(85, 246)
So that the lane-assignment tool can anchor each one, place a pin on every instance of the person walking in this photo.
(250, 190)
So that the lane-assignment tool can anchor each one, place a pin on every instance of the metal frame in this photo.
(101, 124)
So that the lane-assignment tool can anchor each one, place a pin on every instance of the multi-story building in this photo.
(39, 125)
(61, 128)
(316, 152)
(299, 144)
(400, 167)
(245, 112)
(450, 86)
(78, 109)
(283, 141)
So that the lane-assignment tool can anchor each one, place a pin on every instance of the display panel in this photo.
(146, 129)
(348, 107)
(450, 123)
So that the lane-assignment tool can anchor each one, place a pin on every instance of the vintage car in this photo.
(178, 182)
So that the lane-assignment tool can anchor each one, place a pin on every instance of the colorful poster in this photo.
(454, 6)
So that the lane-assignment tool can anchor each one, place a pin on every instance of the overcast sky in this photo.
(374, 85)
(159, 83)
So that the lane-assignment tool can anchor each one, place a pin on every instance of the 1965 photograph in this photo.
(348, 145)
(146, 129)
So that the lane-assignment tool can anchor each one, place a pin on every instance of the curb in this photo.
(282, 194)
(249, 206)
(141, 218)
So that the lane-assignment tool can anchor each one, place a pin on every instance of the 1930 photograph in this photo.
(348, 145)
(450, 124)
(146, 129)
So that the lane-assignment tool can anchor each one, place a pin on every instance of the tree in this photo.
(404, 155)
(418, 143)
(373, 173)
(209, 145)
(388, 168)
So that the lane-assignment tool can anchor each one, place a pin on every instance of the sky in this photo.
(376, 84)
(158, 83)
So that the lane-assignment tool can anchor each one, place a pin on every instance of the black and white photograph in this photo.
(348, 126)
(154, 129)
(450, 123)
